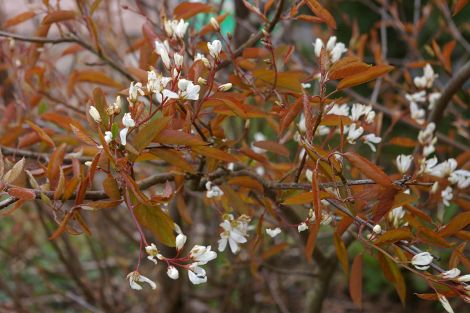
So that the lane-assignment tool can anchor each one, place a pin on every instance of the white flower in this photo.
(88, 163)
(172, 272)
(134, 91)
(273, 232)
(302, 227)
(161, 49)
(444, 169)
(427, 80)
(180, 241)
(396, 215)
(377, 229)
(445, 303)
(200, 56)
(422, 260)
(225, 87)
(127, 120)
(464, 278)
(358, 110)
(179, 59)
(258, 137)
(318, 45)
(108, 136)
(451, 274)
(201, 254)
(354, 133)
(404, 162)
(156, 83)
(306, 85)
(123, 135)
(342, 110)
(428, 150)
(416, 97)
(433, 98)
(428, 165)
(213, 191)
(214, 48)
(187, 90)
(234, 232)
(434, 187)
(196, 274)
(117, 105)
(426, 135)
(461, 178)
(95, 115)
(417, 114)
(447, 195)
(370, 117)
(179, 28)
(152, 252)
(370, 140)
(334, 49)
(135, 278)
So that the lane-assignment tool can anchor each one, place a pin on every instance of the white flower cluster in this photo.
(199, 255)
(326, 218)
(358, 113)
(426, 81)
(176, 29)
(213, 191)
(234, 232)
(334, 49)
(460, 178)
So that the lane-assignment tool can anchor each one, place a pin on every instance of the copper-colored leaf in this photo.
(273, 147)
(458, 6)
(96, 77)
(22, 193)
(272, 251)
(369, 169)
(458, 222)
(369, 74)
(111, 188)
(394, 235)
(186, 10)
(148, 132)
(18, 19)
(341, 252)
(312, 238)
(214, 153)
(59, 16)
(41, 133)
(322, 13)
(247, 182)
(355, 281)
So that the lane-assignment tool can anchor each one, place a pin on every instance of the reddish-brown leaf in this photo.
(322, 13)
(394, 235)
(312, 238)
(41, 133)
(458, 222)
(355, 281)
(369, 169)
(369, 74)
(458, 6)
(59, 16)
(22, 193)
(18, 19)
(341, 252)
(186, 10)
(272, 146)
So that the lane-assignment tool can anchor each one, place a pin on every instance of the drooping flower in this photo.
(417, 113)
(354, 133)
(188, 90)
(427, 80)
(370, 140)
(153, 254)
(445, 303)
(422, 260)
(273, 232)
(404, 162)
(358, 110)
(342, 110)
(234, 232)
(176, 28)
(214, 48)
(447, 195)
(180, 241)
(302, 227)
(95, 115)
(179, 59)
(134, 91)
(197, 275)
(433, 98)
(444, 169)
(127, 120)
(201, 254)
(123, 135)
(135, 278)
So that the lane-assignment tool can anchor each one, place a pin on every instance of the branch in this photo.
(37, 155)
(76, 40)
(452, 87)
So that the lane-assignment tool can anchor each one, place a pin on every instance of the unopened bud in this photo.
(377, 229)
(201, 81)
(225, 87)
(215, 24)
(94, 114)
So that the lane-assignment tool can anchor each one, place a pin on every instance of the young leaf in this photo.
(322, 13)
(369, 169)
(458, 222)
(369, 74)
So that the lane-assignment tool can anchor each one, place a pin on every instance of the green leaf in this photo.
(156, 221)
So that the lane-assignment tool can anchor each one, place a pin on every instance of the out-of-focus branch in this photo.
(452, 87)
(44, 157)
(255, 38)
(76, 40)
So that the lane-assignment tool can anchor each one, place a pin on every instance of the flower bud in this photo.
(215, 24)
(172, 272)
(95, 115)
(180, 241)
(225, 87)
(422, 260)
(377, 229)
(201, 81)
(464, 278)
